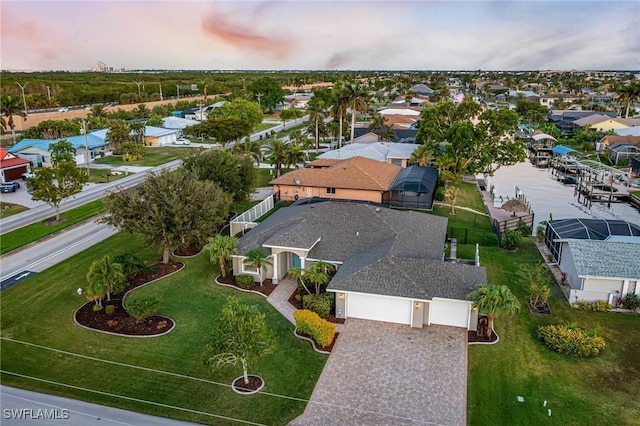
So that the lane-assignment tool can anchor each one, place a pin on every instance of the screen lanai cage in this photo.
(414, 187)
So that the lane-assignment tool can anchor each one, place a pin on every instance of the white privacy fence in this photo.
(247, 220)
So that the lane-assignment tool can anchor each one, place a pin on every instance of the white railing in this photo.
(247, 220)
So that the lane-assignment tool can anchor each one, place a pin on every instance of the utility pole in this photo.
(87, 155)
(161, 92)
(259, 95)
(48, 94)
(138, 83)
(24, 99)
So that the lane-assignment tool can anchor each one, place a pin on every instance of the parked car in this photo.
(9, 187)
(182, 141)
(63, 109)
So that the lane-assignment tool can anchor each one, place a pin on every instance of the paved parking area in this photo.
(390, 374)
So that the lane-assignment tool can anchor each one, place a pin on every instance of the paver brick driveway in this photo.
(390, 374)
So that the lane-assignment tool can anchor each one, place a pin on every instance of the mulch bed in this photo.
(472, 337)
(254, 383)
(298, 305)
(120, 322)
(266, 288)
(540, 309)
(188, 251)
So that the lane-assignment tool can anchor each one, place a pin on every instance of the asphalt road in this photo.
(42, 212)
(25, 408)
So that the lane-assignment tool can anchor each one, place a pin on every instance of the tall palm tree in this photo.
(492, 300)
(340, 106)
(628, 94)
(298, 273)
(377, 123)
(358, 101)
(108, 273)
(277, 154)
(98, 111)
(10, 107)
(422, 156)
(259, 259)
(295, 155)
(317, 114)
(251, 148)
(221, 248)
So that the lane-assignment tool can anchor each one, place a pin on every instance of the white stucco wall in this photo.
(602, 285)
(378, 308)
(567, 265)
(450, 312)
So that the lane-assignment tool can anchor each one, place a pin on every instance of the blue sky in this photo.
(511, 35)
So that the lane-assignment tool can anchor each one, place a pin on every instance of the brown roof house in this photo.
(356, 178)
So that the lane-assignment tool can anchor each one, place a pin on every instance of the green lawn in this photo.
(39, 310)
(102, 176)
(30, 233)
(8, 209)
(153, 157)
(598, 391)
(263, 126)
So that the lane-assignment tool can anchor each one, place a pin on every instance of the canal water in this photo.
(548, 196)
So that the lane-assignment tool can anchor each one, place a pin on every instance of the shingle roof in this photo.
(591, 120)
(383, 251)
(613, 139)
(353, 173)
(606, 259)
(380, 151)
(77, 142)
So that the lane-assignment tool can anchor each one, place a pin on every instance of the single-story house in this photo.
(355, 178)
(389, 152)
(608, 140)
(177, 123)
(153, 136)
(12, 167)
(389, 263)
(422, 89)
(603, 123)
(37, 151)
(630, 131)
(599, 256)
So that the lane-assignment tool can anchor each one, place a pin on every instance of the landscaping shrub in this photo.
(245, 281)
(523, 228)
(440, 193)
(630, 301)
(540, 230)
(321, 304)
(109, 309)
(307, 322)
(571, 340)
(599, 306)
(511, 239)
(143, 308)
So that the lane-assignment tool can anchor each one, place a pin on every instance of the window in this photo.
(396, 161)
(331, 190)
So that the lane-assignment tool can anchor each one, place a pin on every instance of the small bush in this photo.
(96, 308)
(320, 304)
(440, 193)
(524, 228)
(630, 301)
(511, 239)
(245, 281)
(307, 322)
(540, 230)
(599, 306)
(109, 309)
(143, 308)
(571, 340)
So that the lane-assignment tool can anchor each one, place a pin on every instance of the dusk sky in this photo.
(514, 35)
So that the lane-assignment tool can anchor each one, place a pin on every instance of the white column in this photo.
(625, 287)
(303, 262)
(276, 275)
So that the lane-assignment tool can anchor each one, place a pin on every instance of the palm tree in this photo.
(358, 101)
(317, 114)
(141, 111)
(295, 155)
(422, 156)
(251, 148)
(492, 300)
(107, 273)
(628, 94)
(98, 111)
(377, 123)
(277, 154)
(259, 259)
(339, 110)
(95, 293)
(138, 129)
(318, 274)
(10, 107)
(221, 248)
(298, 273)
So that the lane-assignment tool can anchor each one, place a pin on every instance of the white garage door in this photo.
(378, 308)
(450, 312)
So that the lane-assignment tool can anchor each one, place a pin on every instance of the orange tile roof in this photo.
(352, 173)
(323, 162)
(611, 139)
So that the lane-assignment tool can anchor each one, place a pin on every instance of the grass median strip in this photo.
(30, 233)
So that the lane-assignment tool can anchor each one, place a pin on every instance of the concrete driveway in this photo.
(390, 374)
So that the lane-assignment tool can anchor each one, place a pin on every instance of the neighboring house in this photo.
(201, 114)
(620, 151)
(12, 167)
(401, 135)
(401, 111)
(356, 178)
(389, 263)
(389, 152)
(609, 140)
(630, 131)
(602, 123)
(37, 150)
(421, 89)
(551, 100)
(153, 136)
(177, 123)
(599, 256)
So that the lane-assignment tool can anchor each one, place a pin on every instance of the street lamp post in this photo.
(87, 156)
(24, 99)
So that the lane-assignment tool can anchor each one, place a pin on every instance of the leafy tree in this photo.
(95, 292)
(531, 112)
(289, 114)
(137, 131)
(119, 133)
(131, 264)
(63, 179)
(132, 151)
(247, 112)
(298, 273)
(240, 335)
(270, 90)
(494, 300)
(223, 130)
(141, 111)
(53, 129)
(471, 148)
(235, 173)
(169, 209)
(534, 276)
(277, 154)
(10, 107)
(109, 274)
(155, 120)
(220, 249)
(259, 259)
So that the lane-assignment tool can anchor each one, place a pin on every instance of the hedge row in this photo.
(321, 304)
(598, 306)
(569, 339)
(307, 322)
(245, 281)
